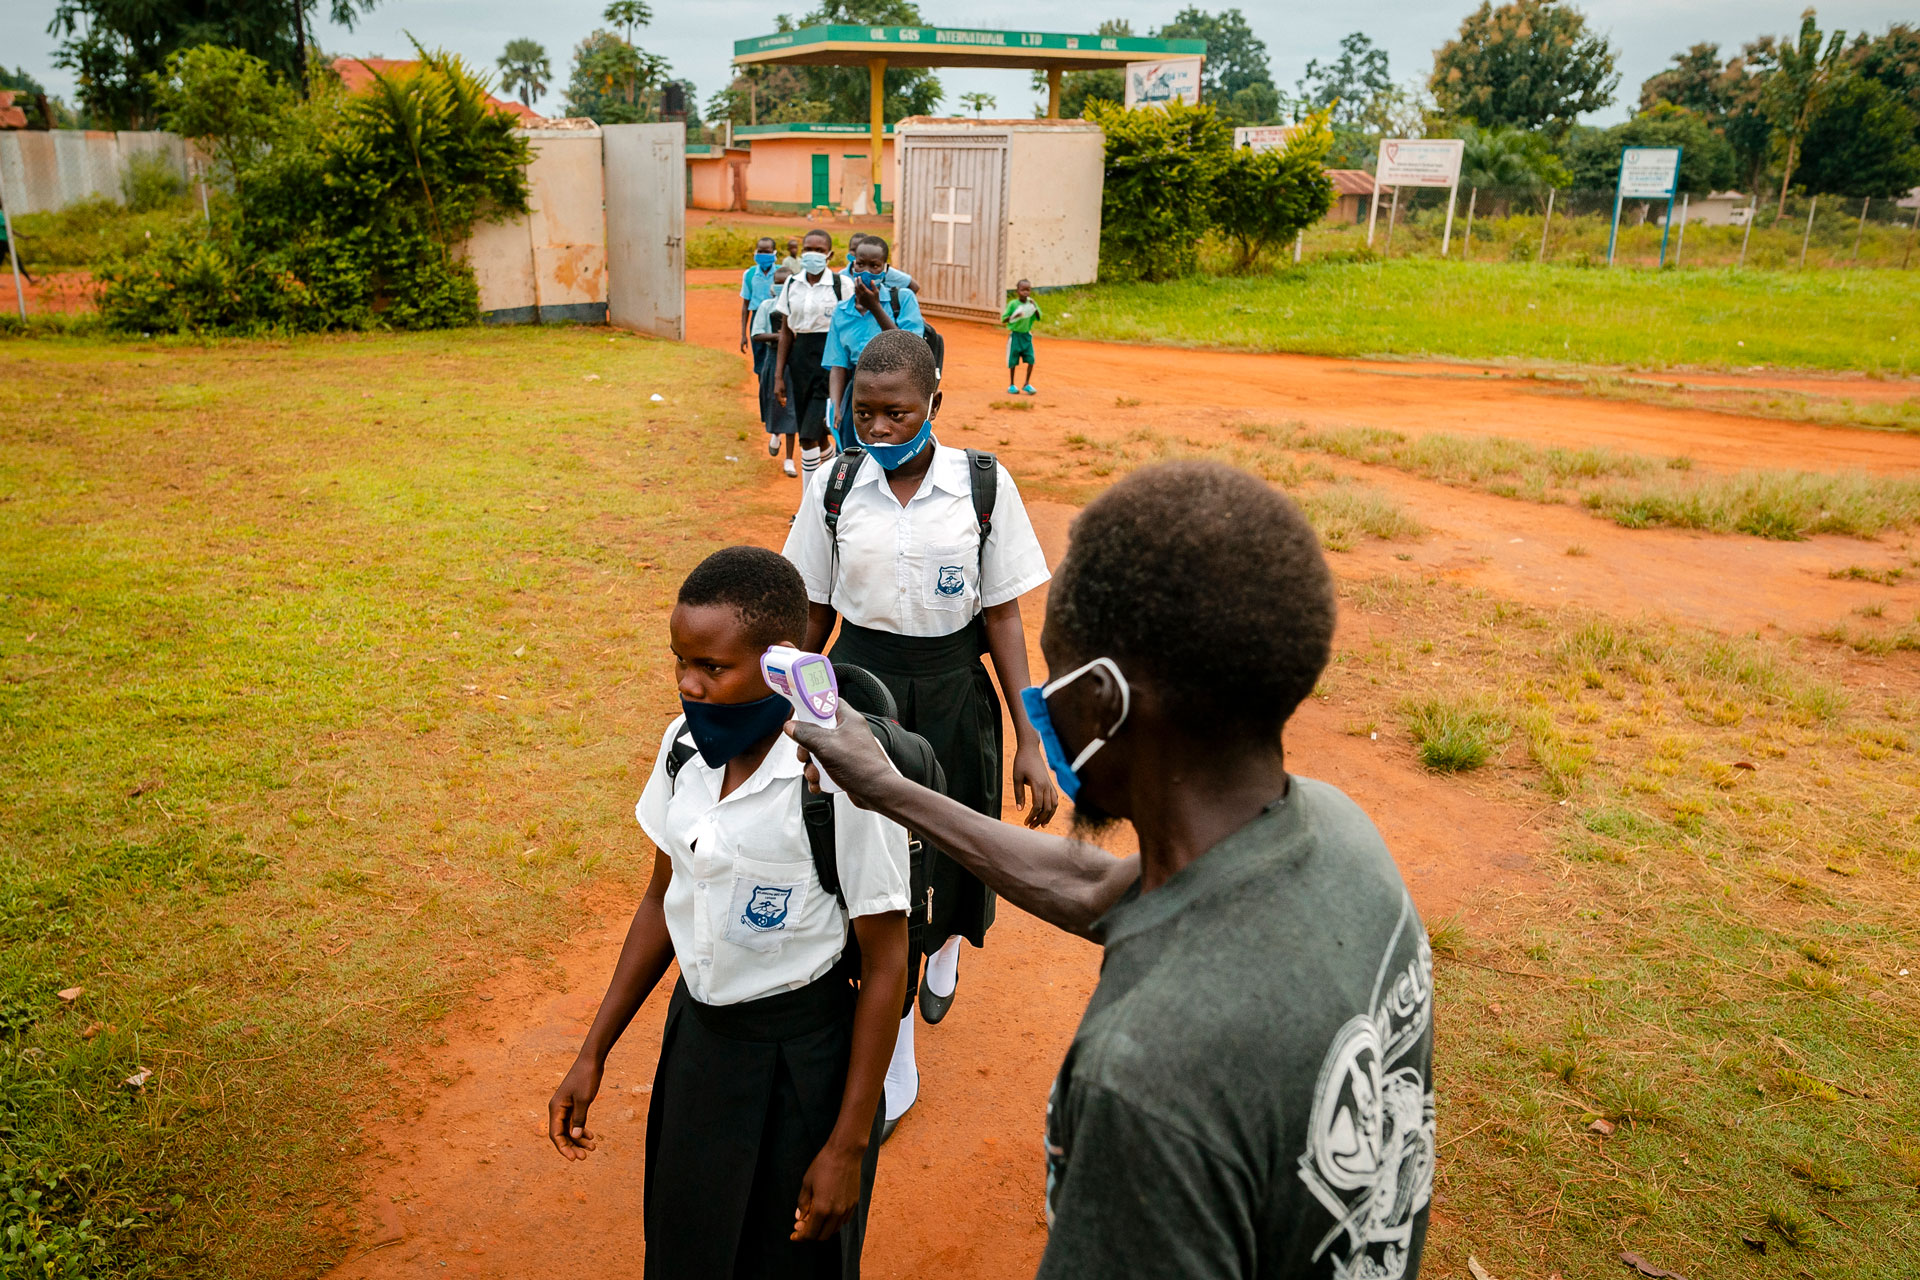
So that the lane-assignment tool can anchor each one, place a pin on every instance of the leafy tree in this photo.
(758, 91)
(1350, 83)
(1236, 58)
(1707, 162)
(843, 93)
(1696, 81)
(1078, 88)
(1262, 199)
(1255, 104)
(525, 71)
(1533, 64)
(1802, 73)
(1863, 141)
(227, 101)
(114, 46)
(21, 83)
(1508, 158)
(1161, 163)
(631, 14)
(978, 102)
(612, 81)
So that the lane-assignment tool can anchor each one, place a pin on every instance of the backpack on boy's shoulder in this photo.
(910, 753)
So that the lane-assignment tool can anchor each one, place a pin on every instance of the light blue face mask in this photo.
(813, 262)
(892, 457)
(1067, 772)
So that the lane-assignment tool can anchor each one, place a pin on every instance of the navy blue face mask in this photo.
(722, 730)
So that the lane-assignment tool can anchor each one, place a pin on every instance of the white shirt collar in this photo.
(948, 472)
(782, 761)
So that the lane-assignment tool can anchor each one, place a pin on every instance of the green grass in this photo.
(75, 238)
(1633, 490)
(1710, 959)
(1861, 320)
(325, 670)
(1453, 735)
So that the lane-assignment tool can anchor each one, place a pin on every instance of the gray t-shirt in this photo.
(1250, 1092)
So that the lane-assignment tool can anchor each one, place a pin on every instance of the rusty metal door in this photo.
(646, 168)
(952, 220)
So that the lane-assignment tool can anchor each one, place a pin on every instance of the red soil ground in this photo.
(472, 1187)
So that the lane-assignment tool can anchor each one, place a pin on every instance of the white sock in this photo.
(809, 458)
(943, 968)
(903, 1074)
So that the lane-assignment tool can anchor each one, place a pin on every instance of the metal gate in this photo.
(951, 221)
(646, 227)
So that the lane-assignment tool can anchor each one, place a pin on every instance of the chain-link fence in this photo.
(1509, 224)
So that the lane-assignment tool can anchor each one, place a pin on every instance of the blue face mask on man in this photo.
(722, 730)
(764, 261)
(813, 262)
(892, 457)
(871, 278)
(1067, 772)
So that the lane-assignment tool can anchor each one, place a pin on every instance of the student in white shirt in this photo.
(769, 1046)
(807, 301)
(922, 586)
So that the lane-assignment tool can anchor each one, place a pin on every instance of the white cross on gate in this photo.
(951, 218)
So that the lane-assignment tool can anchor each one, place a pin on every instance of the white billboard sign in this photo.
(1270, 137)
(1419, 162)
(1649, 172)
(1153, 84)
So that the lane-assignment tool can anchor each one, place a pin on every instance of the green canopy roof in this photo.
(956, 47)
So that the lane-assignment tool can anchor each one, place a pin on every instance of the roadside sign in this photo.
(1646, 173)
(1266, 137)
(1418, 162)
(1153, 84)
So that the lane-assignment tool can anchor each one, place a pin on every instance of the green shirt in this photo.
(1249, 1095)
(1019, 316)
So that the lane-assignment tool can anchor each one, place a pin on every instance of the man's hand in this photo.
(780, 387)
(829, 1193)
(743, 346)
(866, 295)
(849, 752)
(567, 1110)
(1030, 772)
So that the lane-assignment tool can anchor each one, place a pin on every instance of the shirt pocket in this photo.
(945, 578)
(765, 903)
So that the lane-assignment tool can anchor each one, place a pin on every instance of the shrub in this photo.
(1262, 199)
(1159, 201)
(151, 182)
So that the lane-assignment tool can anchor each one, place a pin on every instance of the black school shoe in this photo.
(933, 1007)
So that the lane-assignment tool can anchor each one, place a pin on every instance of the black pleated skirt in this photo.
(945, 696)
(744, 1098)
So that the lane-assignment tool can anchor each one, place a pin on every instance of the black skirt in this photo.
(807, 386)
(744, 1098)
(945, 696)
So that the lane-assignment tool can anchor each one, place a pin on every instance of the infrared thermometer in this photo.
(807, 681)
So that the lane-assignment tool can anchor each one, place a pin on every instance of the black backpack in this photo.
(983, 483)
(911, 754)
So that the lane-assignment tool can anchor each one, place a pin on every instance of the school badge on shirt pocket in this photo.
(765, 903)
(946, 578)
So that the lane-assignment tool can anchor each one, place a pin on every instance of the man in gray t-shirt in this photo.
(1249, 1093)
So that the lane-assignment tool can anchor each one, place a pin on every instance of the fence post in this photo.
(1753, 211)
(1466, 246)
(1299, 238)
(1912, 231)
(1812, 204)
(1861, 230)
(1547, 225)
(1680, 246)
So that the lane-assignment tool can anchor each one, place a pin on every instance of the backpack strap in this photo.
(893, 296)
(983, 476)
(837, 278)
(681, 751)
(816, 811)
(839, 481)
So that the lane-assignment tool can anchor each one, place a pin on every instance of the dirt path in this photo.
(470, 1186)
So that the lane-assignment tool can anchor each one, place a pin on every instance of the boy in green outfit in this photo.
(1019, 316)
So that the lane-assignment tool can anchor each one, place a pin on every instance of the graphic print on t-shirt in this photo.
(1370, 1141)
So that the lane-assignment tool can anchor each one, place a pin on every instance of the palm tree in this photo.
(1802, 75)
(629, 14)
(978, 102)
(524, 70)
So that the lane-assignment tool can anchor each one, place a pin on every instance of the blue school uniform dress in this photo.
(759, 1032)
(777, 418)
(756, 286)
(852, 328)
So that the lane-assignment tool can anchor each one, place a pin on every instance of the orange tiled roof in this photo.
(357, 74)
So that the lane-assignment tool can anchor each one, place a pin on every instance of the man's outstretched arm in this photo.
(1068, 883)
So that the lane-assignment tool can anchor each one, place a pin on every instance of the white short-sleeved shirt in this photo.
(745, 908)
(916, 570)
(809, 307)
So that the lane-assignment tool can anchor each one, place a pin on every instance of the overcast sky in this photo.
(697, 35)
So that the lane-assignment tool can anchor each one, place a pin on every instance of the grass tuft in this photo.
(1454, 735)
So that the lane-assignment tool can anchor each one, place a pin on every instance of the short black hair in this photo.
(1207, 582)
(762, 585)
(866, 238)
(854, 238)
(818, 231)
(891, 350)
(762, 240)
